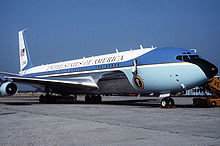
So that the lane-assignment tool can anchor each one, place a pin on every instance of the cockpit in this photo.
(209, 69)
(187, 58)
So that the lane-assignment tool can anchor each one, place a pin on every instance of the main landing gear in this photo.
(49, 98)
(167, 102)
(93, 98)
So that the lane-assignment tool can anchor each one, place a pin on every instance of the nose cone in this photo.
(208, 68)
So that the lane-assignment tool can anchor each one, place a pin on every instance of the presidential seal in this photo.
(138, 83)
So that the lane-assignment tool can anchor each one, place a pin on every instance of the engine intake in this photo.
(8, 89)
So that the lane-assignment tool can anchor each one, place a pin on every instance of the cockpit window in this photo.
(194, 57)
(179, 57)
(186, 58)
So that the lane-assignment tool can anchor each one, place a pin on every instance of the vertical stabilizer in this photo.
(25, 60)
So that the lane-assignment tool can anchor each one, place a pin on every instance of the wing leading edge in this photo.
(80, 84)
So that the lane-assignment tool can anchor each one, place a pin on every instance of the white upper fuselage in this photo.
(85, 62)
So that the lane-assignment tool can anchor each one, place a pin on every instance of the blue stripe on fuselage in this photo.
(156, 56)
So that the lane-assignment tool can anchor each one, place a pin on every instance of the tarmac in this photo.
(117, 121)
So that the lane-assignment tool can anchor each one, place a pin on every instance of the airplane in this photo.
(163, 70)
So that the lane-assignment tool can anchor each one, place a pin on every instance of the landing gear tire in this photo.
(167, 103)
(97, 99)
(50, 99)
(88, 98)
(171, 102)
(93, 99)
(163, 103)
(47, 99)
(41, 99)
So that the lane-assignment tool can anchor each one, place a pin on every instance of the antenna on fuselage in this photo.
(141, 47)
(116, 50)
(194, 50)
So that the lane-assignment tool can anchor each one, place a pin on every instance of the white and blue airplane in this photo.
(146, 70)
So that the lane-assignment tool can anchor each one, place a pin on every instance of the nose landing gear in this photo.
(167, 102)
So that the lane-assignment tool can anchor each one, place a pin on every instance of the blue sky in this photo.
(62, 30)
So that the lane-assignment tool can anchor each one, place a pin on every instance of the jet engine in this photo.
(8, 89)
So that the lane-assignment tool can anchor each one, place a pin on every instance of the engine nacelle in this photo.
(8, 89)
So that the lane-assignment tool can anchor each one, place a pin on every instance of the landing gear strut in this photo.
(47, 99)
(93, 98)
(167, 103)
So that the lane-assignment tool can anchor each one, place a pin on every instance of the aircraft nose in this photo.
(208, 68)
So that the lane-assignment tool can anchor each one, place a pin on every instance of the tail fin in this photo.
(25, 60)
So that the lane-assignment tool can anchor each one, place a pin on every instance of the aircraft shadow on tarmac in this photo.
(145, 103)
(17, 103)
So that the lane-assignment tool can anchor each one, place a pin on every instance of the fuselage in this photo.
(136, 71)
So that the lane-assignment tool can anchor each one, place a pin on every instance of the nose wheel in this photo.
(167, 103)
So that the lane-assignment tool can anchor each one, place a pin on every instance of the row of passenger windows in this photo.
(80, 69)
(107, 66)
(85, 68)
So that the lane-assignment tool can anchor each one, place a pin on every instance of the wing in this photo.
(7, 74)
(58, 85)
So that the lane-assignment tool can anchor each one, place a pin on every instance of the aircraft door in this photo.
(134, 69)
